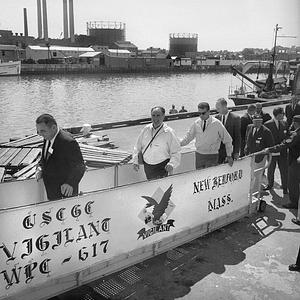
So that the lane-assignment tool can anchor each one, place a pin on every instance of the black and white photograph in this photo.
(149, 150)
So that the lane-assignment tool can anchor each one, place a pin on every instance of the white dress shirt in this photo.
(165, 145)
(48, 147)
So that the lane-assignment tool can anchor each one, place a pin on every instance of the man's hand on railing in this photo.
(236, 156)
(38, 173)
(265, 151)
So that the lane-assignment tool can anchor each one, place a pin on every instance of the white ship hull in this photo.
(10, 68)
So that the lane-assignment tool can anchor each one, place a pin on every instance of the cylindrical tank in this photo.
(180, 43)
(106, 33)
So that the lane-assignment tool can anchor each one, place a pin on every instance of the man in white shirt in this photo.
(209, 133)
(159, 145)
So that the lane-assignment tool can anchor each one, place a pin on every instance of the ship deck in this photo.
(247, 259)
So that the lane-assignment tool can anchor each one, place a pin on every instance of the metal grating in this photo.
(183, 251)
(109, 288)
(87, 297)
(130, 276)
(174, 255)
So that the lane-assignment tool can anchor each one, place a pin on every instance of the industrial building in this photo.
(41, 52)
(180, 43)
(107, 33)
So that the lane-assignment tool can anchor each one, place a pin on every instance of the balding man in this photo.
(159, 147)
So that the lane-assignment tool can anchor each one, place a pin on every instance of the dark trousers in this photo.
(206, 160)
(298, 258)
(294, 181)
(156, 171)
(54, 192)
(243, 145)
(222, 154)
(281, 160)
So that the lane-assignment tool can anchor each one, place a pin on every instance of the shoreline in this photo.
(41, 69)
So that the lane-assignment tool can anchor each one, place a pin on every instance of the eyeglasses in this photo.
(202, 113)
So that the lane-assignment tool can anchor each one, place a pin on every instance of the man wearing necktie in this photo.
(61, 165)
(258, 137)
(293, 108)
(278, 129)
(246, 119)
(292, 143)
(232, 123)
(209, 132)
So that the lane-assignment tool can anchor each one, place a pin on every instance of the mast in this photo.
(270, 82)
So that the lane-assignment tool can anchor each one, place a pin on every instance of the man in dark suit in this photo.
(246, 119)
(61, 165)
(293, 144)
(232, 123)
(259, 111)
(279, 132)
(258, 137)
(293, 108)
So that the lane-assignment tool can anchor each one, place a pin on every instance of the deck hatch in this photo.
(130, 276)
(109, 288)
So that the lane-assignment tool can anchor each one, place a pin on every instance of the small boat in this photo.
(264, 90)
(10, 68)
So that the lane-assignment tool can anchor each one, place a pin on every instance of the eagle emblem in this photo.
(158, 207)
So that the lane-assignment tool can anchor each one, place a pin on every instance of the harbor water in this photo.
(99, 98)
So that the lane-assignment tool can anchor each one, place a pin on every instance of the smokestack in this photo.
(71, 20)
(39, 19)
(65, 16)
(25, 22)
(45, 21)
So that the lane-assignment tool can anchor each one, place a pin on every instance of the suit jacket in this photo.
(64, 165)
(290, 113)
(245, 121)
(279, 134)
(259, 141)
(265, 116)
(233, 126)
(293, 144)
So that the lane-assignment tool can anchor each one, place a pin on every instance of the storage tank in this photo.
(106, 33)
(180, 43)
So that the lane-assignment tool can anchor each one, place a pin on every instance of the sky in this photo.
(220, 24)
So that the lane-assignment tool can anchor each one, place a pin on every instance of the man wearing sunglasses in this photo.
(209, 132)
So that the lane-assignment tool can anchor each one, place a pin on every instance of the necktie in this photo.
(204, 126)
(46, 149)
(223, 120)
(254, 131)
